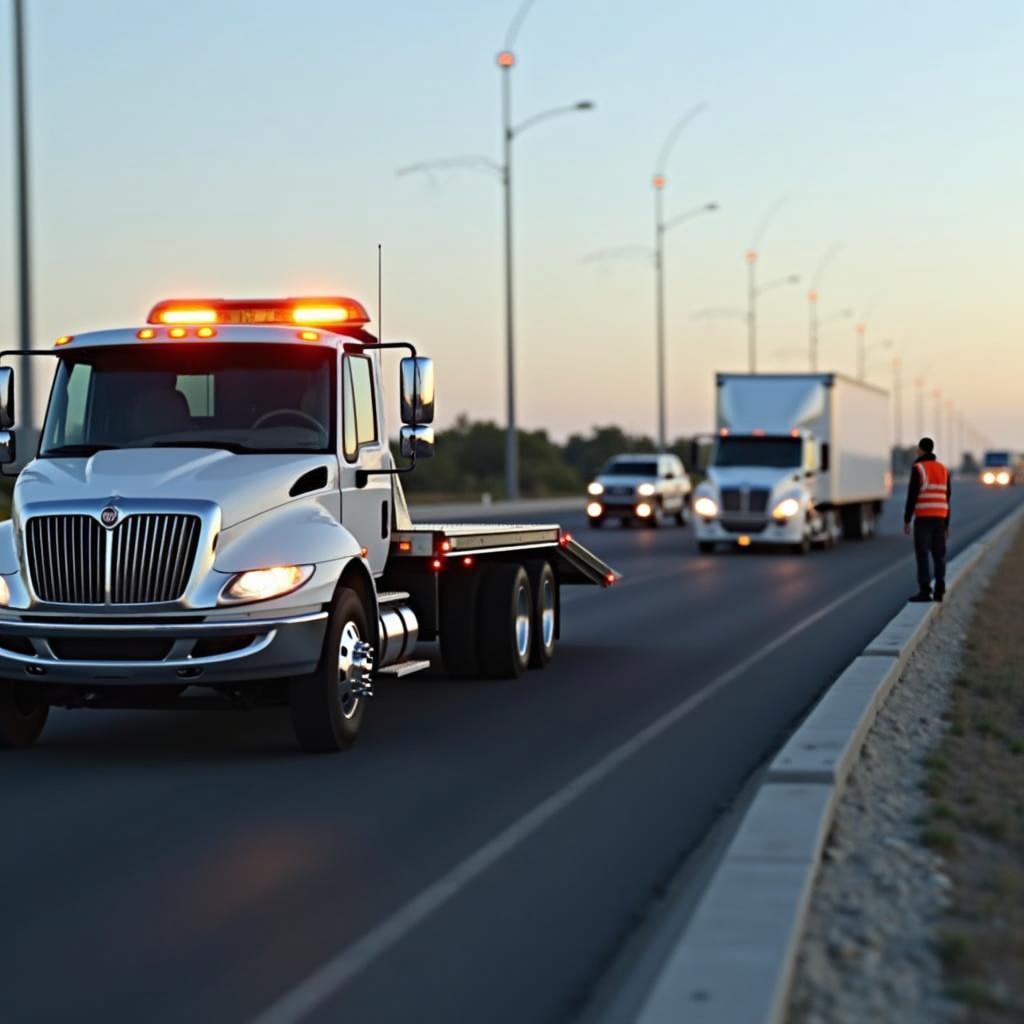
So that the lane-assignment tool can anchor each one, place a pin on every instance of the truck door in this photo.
(365, 511)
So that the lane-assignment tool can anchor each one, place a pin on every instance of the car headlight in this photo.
(263, 584)
(786, 509)
(595, 510)
(705, 507)
(595, 489)
(646, 490)
(988, 478)
(5, 593)
(1003, 478)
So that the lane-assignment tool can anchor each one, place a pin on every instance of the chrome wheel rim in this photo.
(522, 621)
(547, 611)
(349, 668)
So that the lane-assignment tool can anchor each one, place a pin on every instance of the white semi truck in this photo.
(799, 459)
(213, 517)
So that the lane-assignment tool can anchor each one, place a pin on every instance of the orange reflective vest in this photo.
(933, 498)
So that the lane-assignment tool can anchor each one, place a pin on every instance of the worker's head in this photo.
(926, 446)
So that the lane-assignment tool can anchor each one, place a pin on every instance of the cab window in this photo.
(359, 408)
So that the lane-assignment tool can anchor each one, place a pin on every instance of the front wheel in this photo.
(22, 717)
(683, 515)
(327, 706)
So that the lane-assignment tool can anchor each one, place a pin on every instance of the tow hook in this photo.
(362, 669)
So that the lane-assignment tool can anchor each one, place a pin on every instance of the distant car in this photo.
(643, 488)
(1002, 469)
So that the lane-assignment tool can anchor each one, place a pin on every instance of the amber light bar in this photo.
(323, 312)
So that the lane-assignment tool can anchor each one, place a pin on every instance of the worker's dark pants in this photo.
(930, 539)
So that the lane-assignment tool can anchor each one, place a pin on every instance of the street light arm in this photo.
(473, 163)
(689, 215)
(673, 136)
(517, 23)
(791, 279)
(711, 312)
(546, 114)
(619, 251)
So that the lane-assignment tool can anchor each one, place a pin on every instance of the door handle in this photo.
(385, 521)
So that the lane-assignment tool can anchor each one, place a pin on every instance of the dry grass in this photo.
(976, 816)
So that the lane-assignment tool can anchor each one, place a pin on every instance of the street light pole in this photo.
(897, 398)
(812, 328)
(751, 258)
(659, 304)
(506, 61)
(24, 225)
(861, 329)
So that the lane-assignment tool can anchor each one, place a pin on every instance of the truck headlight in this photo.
(786, 509)
(646, 490)
(595, 489)
(595, 510)
(1003, 478)
(262, 584)
(5, 593)
(988, 478)
(705, 508)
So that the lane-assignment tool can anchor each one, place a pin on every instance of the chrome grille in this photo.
(736, 500)
(758, 500)
(730, 499)
(65, 558)
(150, 558)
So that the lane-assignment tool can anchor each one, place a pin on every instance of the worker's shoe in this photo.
(921, 597)
(940, 592)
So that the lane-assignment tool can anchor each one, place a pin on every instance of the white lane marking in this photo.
(337, 972)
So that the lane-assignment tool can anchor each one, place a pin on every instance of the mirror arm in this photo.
(363, 475)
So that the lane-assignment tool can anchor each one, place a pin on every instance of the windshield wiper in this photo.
(228, 446)
(80, 449)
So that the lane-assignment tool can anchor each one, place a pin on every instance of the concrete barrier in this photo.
(734, 962)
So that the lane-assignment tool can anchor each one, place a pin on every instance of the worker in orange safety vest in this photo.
(928, 505)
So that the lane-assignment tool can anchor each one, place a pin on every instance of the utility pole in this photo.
(919, 388)
(860, 330)
(897, 399)
(506, 61)
(659, 304)
(812, 328)
(751, 311)
(24, 258)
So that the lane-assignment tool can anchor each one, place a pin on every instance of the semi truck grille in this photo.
(146, 558)
(735, 500)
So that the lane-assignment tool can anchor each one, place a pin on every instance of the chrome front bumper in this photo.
(267, 648)
(760, 531)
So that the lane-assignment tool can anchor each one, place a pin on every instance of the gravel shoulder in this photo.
(871, 949)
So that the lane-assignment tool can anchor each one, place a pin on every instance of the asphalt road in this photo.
(194, 867)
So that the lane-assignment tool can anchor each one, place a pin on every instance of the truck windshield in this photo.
(630, 467)
(997, 458)
(772, 452)
(244, 398)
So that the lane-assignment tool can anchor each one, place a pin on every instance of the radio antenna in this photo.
(380, 297)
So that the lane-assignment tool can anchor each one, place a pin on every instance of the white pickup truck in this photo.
(213, 518)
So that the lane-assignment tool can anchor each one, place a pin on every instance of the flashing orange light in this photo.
(364, 552)
(506, 59)
(206, 332)
(177, 332)
(724, 432)
(145, 334)
(65, 339)
(660, 181)
(794, 432)
(184, 315)
(751, 256)
(405, 545)
(308, 336)
(321, 314)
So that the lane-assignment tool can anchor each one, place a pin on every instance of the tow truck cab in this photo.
(214, 518)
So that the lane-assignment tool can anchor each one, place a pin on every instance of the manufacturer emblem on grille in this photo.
(109, 516)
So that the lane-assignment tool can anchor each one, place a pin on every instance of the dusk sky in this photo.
(249, 147)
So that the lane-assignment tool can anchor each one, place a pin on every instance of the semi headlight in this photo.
(988, 478)
(5, 593)
(595, 489)
(786, 509)
(263, 584)
(646, 490)
(706, 508)
(1003, 478)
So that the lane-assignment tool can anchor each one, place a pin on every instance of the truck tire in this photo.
(326, 715)
(505, 621)
(706, 547)
(595, 522)
(683, 515)
(544, 590)
(21, 716)
(458, 623)
(657, 516)
(801, 547)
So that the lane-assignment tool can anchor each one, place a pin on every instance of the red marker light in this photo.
(446, 545)
(467, 561)
(437, 564)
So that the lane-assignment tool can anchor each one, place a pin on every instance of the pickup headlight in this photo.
(1003, 478)
(595, 489)
(646, 490)
(263, 584)
(705, 508)
(988, 478)
(786, 509)
(5, 593)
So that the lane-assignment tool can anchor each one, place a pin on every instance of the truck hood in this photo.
(242, 485)
(632, 482)
(753, 476)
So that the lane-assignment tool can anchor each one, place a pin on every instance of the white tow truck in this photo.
(799, 459)
(214, 518)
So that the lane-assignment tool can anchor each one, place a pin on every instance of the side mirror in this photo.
(6, 397)
(417, 390)
(416, 442)
(8, 451)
